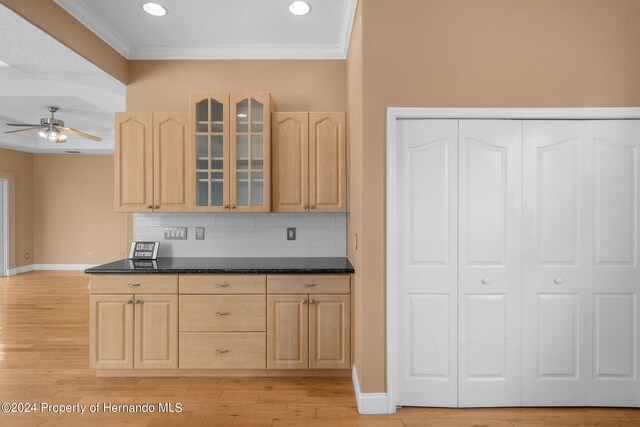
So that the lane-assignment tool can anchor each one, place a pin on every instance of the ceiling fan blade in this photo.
(77, 132)
(23, 130)
(19, 124)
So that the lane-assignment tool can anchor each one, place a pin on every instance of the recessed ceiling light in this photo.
(299, 8)
(154, 9)
(3, 64)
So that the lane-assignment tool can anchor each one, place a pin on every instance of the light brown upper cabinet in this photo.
(231, 147)
(309, 162)
(150, 162)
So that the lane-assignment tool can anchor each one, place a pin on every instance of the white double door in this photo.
(517, 262)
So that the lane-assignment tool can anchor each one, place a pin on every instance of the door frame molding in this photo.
(399, 113)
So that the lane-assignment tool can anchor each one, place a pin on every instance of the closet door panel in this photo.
(489, 351)
(427, 184)
(613, 275)
(554, 257)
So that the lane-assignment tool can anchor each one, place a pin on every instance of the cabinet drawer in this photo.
(223, 313)
(134, 284)
(223, 350)
(223, 284)
(308, 284)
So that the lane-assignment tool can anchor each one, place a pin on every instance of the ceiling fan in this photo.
(51, 128)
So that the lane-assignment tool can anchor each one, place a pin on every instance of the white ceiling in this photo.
(42, 72)
(219, 29)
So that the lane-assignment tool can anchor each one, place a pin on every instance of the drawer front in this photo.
(134, 284)
(223, 350)
(223, 313)
(309, 284)
(223, 284)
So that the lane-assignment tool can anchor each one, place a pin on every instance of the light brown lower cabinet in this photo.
(308, 331)
(134, 331)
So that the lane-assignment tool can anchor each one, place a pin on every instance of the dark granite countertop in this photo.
(316, 265)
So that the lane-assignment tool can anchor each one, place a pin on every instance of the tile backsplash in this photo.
(247, 235)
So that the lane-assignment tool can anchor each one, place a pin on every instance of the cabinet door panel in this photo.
(156, 332)
(133, 163)
(329, 331)
(290, 162)
(111, 332)
(327, 162)
(287, 332)
(209, 153)
(170, 143)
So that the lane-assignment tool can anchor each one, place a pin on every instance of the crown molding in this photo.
(103, 30)
(94, 23)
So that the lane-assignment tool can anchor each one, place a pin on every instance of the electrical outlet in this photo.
(199, 233)
(90, 254)
(121, 254)
(26, 255)
(291, 233)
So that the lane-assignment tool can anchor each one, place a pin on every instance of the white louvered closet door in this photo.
(427, 191)
(489, 283)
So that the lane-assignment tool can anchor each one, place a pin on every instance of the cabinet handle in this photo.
(304, 301)
(222, 351)
(312, 301)
(129, 301)
(150, 207)
(137, 301)
(558, 280)
(133, 284)
(233, 206)
(485, 281)
(222, 285)
(226, 313)
(306, 206)
(313, 206)
(156, 207)
(308, 285)
(225, 206)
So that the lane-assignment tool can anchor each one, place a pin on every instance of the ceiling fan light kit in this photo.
(51, 128)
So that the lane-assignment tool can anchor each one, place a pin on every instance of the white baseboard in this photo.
(60, 267)
(19, 270)
(368, 403)
(54, 267)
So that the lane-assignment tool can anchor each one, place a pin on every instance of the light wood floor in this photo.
(44, 357)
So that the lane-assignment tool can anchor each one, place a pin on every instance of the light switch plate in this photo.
(199, 233)
(291, 233)
(175, 233)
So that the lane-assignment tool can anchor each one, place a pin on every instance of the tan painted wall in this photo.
(51, 18)
(74, 210)
(354, 217)
(469, 53)
(18, 168)
(295, 85)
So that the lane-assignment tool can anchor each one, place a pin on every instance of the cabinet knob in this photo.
(312, 301)
(485, 281)
(222, 285)
(304, 301)
(222, 351)
(129, 301)
(313, 206)
(150, 207)
(137, 301)
(306, 206)
(558, 280)
(233, 206)
(156, 207)
(308, 285)
(226, 313)
(133, 284)
(225, 206)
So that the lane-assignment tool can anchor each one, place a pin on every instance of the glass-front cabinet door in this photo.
(250, 152)
(211, 153)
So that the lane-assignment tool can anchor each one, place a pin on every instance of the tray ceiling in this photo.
(219, 29)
